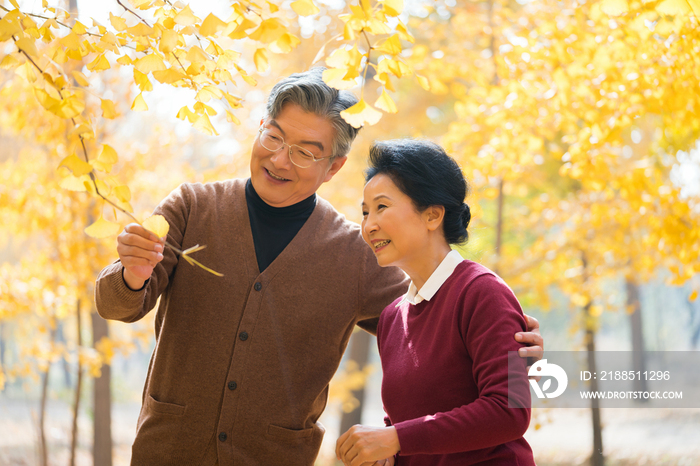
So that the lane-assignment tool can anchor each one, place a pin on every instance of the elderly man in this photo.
(241, 366)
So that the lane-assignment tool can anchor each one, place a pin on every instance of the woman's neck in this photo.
(425, 263)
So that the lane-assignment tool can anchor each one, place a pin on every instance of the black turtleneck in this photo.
(274, 227)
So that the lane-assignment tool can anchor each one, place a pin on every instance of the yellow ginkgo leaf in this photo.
(142, 81)
(100, 63)
(168, 76)
(73, 183)
(76, 165)
(108, 110)
(693, 296)
(79, 28)
(392, 45)
(211, 25)
(139, 104)
(80, 78)
(305, 7)
(260, 59)
(9, 62)
(208, 92)
(185, 17)
(102, 229)
(27, 45)
(151, 62)
(361, 113)
(392, 7)
(123, 193)
(157, 225)
(117, 23)
(168, 41)
(424, 82)
(385, 103)
(203, 124)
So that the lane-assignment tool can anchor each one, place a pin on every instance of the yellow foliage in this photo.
(304, 7)
(157, 225)
(361, 113)
(102, 229)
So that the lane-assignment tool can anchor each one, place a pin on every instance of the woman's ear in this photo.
(433, 216)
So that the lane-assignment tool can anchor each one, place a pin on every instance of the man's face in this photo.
(275, 178)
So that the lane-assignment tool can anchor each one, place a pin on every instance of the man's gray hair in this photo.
(313, 95)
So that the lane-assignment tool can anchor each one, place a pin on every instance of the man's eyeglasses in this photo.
(302, 158)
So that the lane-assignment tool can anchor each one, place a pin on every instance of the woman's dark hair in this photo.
(423, 171)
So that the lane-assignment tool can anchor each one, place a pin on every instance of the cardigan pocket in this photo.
(164, 408)
(289, 435)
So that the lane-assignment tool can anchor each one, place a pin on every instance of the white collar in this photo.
(433, 284)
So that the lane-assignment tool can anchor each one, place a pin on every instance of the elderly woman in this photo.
(444, 345)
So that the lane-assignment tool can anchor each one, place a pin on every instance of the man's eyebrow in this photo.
(313, 143)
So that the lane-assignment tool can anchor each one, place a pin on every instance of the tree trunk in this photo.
(102, 399)
(78, 385)
(597, 457)
(43, 447)
(638, 355)
(359, 352)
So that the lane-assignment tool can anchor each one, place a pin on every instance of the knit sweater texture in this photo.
(446, 382)
(242, 363)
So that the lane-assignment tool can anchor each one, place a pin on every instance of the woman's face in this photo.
(391, 225)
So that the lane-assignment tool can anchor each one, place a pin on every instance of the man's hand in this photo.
(535, 349)
(368, 445)
(139, 252)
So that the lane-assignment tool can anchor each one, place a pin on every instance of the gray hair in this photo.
(313, 95)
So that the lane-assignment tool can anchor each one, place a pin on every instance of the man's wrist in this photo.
(131, 282)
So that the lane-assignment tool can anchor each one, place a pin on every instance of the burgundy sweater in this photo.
(445, 364)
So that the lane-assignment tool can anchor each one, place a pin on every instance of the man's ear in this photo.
(433, 216)
(336, 165)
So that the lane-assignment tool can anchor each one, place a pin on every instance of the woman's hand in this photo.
(363, 444)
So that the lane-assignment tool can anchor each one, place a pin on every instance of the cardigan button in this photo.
(232, 385)
(243, 336)
(222, 436)
(258, 286)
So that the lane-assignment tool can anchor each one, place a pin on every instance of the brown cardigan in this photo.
(242, 363)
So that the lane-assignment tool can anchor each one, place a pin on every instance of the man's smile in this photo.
(276, 177)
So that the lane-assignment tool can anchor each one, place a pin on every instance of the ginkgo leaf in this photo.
(392, 45)
(102, 229)
(80, 78)
(139, 104)
(185, 17)
(614, 7)
(211, 25)
(392, 7)
(157, 225)
(100, 63)
(73, 183)
(140, 29)
(76, 165)
(168, 76)
(693, 296)
(304, 7)
(203, 124)
(260, 59)
(28, 46)
(361, 113)
(123, 193)
(117, 23)
(385, 103)
(334, 77)
(168, 41)
(108, 110)
(149, 63)
(285, 44)
(208, 92)
(79, 28)
(142, 81)
(9, 62)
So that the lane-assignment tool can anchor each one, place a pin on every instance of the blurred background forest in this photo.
(577, 123)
